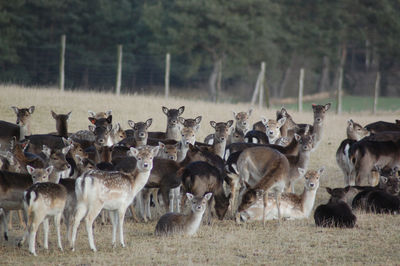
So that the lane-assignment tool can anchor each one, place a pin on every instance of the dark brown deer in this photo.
(382, 126)
(61, 123)
(137, 136)
(199, 178)
(220, 136)
(173, 130)
(191, 122)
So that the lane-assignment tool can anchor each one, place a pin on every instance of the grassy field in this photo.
(376, 240)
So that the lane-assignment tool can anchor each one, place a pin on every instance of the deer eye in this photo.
(139, 159)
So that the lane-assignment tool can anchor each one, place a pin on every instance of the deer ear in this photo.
(79, 158)
(327, 106)
(149, 122)
(264, 120)
(155, 150)
(181, 120)
(350, 123)
(247, 185)
(92, 114)
(134, 152)
(229, 123)
(213, 124)
(346, 189)
(162, 145)
(117, 127)
(208, 196)
(165, 110)
(383, 179)
(108, 113)
(91, 128)
(31, 109)
(297, 137)
(49, 170)
(92, 120)
(46, 150)
(69, 115)
(321, 170)
(329, 190)
(234, 114)
(198, 119)
(189, 196)
(283, 111)
(65, 150)
(15, 109)
(54, 115)
(282, 121)
(109, 119)
(30, 169)
(249, 112)
(302, 171)
(131, 123)
(181, 110)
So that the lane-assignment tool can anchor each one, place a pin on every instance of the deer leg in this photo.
(10, 220)
(46, 233)
(21, 219)
(232, 200)
(114, 223)
(89, 219)
(57, 222)
(36, 221)
(5, 227)
(165, 197)
(155, 199)
(265, 202)
(133, 212)
(171, 200)
(121, 215)
(80, 213)
(178, 198)
(278, 202)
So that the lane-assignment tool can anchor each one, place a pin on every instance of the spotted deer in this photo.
(173, 126)
(177, 223)
(355, 132)
(20, 129)
(12, 187)
(41, 200)
(261, 168)
(292, 206)
(113, 191)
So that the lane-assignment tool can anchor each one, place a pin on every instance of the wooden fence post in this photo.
(376, 93)
(119, 69)
(167, 69)
(261, 84)
(339, 92)
(301, 87)
(62, 62)
(219, 81)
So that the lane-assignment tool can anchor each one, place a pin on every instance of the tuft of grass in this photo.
(376, 240)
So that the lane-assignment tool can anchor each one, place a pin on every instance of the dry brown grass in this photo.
(376, 240)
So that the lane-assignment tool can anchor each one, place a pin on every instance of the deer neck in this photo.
(317, 130)
(193, 222)
(141, 142)
(303, 159)
(62, 129)
(308, 200)
(273, 140)
(219, 147)
(25, 130)
(138, 180)
(173, 132)
(182, 152)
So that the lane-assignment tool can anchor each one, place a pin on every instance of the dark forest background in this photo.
(362, 36)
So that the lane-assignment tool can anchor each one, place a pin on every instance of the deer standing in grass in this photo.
(220, 136)
(292, 206)
(42, 200)
(173, 125)
(177, 223)
(113, 191)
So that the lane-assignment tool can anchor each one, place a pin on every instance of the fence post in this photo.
(62, 62)
(219, 80)
(376, 94)
(119, 70)
(339, 92)
(261, 84)
(167, 67)
(301, 86)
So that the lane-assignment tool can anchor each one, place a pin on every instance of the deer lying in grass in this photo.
(355, 132)
(176, 223)
(262, 168)
(199, 178)
(113, 191)
(336, 213)
(292, 206)
(42, 200)
(19, 130)
(173, 126)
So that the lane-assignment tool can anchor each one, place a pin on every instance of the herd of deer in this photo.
(251, 172)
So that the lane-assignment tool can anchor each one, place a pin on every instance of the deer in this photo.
(382, 126)
(220, 136)
(261, 168)
(137, 136)
(61, 123)
(41, 200)
(173, 126)
(112, 191)
(292, 206)
(318, 124)
(12, 187)
(336, 213)
(20, 129)
(191, 122)
(273, 128)
(355, 132)
(199, 178)
(100, 115)
(168, 151)
(180, 224)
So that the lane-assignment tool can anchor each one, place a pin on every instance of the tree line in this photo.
(203, 37)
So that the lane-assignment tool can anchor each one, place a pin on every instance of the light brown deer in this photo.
(355, 132)
(113, 191)
(273, 128)
(292, 206)
(262, 168)
(173, 126)
(99, 115)
(241, 127)
(177, 223)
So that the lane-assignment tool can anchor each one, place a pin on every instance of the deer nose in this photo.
(198, 207)
(145, 165)
(244, 123)
(271, 132)
(223, 138)
(174, 121)
(318, 119)
(141, 134)
(101, 141)
(171, 157)
(311, 184)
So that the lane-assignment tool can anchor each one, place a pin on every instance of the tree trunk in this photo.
(343, 55)
(85, 78)
(213, 80)
(324, 81)
(285, 79)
